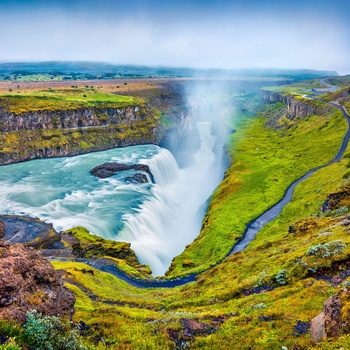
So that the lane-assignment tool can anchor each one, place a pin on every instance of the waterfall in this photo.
(163, 167)
(172, 217)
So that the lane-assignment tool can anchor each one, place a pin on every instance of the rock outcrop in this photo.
(86, 245)
(2, 230)
(70, 118)
(137, 179)
(334, 318)
(76, 243)
(29, 281)
(338, 199)
(109, 169)
(29, 231)
(296, 108)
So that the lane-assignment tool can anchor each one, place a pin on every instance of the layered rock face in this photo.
(295, 108)
(69, 119)
(28, 281)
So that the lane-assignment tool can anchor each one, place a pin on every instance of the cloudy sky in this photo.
(183, 33)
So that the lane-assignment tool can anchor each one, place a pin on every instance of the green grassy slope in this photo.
(265, 163)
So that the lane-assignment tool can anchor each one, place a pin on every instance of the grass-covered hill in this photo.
(263, 297)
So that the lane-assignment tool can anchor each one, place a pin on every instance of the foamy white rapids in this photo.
(171, 218)
(63, 192)
(158, 219)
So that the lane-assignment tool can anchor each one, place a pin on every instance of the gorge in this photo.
(276, 280)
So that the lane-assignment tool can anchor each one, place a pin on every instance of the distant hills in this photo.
(22, 71)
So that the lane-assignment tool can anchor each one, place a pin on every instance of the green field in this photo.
(62, 99)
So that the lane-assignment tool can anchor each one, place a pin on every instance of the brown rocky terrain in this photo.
(29, 281)
(334, 318)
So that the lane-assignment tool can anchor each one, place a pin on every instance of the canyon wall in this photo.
(296, 107)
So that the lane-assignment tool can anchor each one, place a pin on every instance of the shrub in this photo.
(259, 306)
(281, 277)
(11, 345)
(327, 250)
(50, 333)
(346, 284)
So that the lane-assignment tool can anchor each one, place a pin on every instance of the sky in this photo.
(312, 34)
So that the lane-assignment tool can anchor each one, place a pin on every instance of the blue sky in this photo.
(203, 34)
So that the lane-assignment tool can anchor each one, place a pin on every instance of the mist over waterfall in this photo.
(172, 217)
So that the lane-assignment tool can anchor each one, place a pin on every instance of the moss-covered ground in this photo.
(341, 81)
(296, 88)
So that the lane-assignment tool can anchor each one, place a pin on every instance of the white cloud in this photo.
(232, 40)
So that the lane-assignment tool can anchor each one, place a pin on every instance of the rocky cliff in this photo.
(297, 107)
(45, 134)
(70, 119)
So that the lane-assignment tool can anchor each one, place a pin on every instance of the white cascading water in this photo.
(164, 168)
(172, 218)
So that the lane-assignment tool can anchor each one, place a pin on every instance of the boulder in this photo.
(318, 328)
(137, 179)
(334, 318)
(194, 328)
(109, 169)
(29, 231)
(29, 281)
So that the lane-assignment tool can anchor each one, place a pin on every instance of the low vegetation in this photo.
(263, 298)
